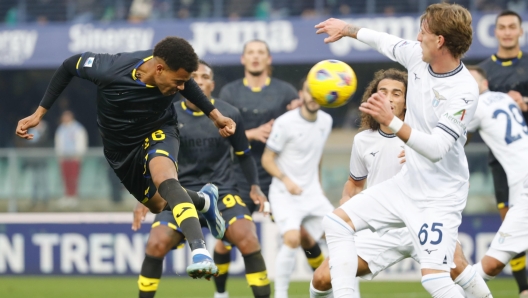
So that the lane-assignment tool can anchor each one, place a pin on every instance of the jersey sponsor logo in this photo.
(460, 113)
(429, 251)
(454, 120)
(17, 46)
(437, 98)
(218, 38)
(503, 237)
(416, 77)
(467, 100)
(86, 37)
(89, 62)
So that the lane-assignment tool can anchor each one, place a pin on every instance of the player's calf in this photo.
(161, 240)
(285, 262)
(222, 259)
(311, 249)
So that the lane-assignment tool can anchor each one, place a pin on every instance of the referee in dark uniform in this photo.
(138, 125)
(507, 72)
(260, 99)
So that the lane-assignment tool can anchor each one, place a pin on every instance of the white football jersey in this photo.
(447, 101)
(501, 125)
(299, 144)
(375, 156)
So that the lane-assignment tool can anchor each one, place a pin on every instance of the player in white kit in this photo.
(502, 127)
(430, 192)
(293, 156)
(377, 156)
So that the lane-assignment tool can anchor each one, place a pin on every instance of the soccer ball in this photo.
(332, 83)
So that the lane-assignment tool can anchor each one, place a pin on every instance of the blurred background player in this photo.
(138, 127)
(206, 157)
(507, 72)
(431, 191)
(260, 99)
(71, 142)
(293, 158)
(501, 125)
(378, 155)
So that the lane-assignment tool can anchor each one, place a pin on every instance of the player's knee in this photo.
(460, 262)
(292, 238)
(307, 241)
(321, 279)
(492, 266)
(159, 242)
(242, 234)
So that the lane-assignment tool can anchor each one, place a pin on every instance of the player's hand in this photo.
(335, 28)
(259, 198)
(29, 122)
(294, 104)
(519, 100)
(293, 188)
(402, 156)
(261, 133)
(379, 107)
(226, 126)
(140, 211)
(344, 199)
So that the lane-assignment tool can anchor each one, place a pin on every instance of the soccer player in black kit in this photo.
(507, 72)
(261, 99)
(138, 125)
(206, 157)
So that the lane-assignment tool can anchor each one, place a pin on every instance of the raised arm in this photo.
(58, 83)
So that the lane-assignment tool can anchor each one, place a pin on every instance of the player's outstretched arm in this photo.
(336, 29)
(58, 83)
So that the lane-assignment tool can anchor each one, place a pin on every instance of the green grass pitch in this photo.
(121, 287)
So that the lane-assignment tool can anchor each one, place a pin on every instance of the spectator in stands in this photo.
(71, 142)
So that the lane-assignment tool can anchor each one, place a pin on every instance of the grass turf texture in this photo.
(117, 287)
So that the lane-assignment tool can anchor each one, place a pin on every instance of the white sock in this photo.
(315, 293)
(473, 284)
(440, 285)
(480, 271)
(343, 255)
(356, 287)
(284, 266)
(207, 202)
(221, 295)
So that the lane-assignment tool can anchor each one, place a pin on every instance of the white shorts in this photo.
(381, 252)
(433, 224)
(290, 212)
(516, 191)
(512, 237)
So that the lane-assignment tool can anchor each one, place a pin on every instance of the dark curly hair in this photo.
(367, 122)
(177, 53)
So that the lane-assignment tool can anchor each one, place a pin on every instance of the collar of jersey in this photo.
(386, 135)
(135, 69)
(191, 112)
(504, 62)
(257, 89)
(447, 74)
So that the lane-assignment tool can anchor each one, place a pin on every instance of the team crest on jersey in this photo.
(437, 98)
(503, 237)
(460, 113)
(89, 62)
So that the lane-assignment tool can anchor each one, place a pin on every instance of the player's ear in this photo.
(440, 41)
(212, 86)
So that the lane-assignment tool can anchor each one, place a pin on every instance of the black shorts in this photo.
(132, 166)
(500, 182)
(230, 206)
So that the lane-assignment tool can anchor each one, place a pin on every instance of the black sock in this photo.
(518, 265)
(184, 212)
(257, 275)
(222, 261)
(150, 276)
(314, 256)
(198, 200)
